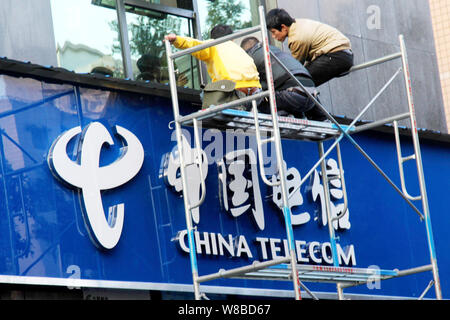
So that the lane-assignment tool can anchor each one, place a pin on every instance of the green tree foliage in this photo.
(229, 12)
(147, 34)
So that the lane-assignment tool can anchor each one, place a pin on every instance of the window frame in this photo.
(184, 13)
(123, 27)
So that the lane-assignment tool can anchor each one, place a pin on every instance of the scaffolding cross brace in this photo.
(285, 127)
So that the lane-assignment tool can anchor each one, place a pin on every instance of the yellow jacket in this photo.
(309, 39)
(225, 61)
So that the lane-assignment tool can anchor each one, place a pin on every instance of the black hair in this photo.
(276, 17)
(249, 43)
(148, 62)
(220, 30)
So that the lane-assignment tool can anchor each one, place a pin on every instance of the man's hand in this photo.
(171, 37)
(182, 80)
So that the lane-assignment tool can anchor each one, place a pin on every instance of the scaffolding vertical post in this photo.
(326, 194)
(420, 172)
(279, 154)
(187, 207)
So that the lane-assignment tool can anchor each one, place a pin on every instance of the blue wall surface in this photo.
(44, 234)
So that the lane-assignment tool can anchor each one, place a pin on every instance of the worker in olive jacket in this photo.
(323, 49)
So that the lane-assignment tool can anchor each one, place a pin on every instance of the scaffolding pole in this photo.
(268, 268)
(183, 120)
(420, 173)
(279, 153)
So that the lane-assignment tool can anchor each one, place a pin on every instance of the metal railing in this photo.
(425, 215)
(345, 131)
(194, 117)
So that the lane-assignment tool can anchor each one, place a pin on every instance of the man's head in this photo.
(278, 22)
(249, 43)
(220, 30)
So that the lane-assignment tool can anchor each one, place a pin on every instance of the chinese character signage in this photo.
(240, 197)
(91, 195)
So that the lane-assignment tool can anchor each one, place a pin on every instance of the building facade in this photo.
(373, 28)
(90, 190)
(137, 27)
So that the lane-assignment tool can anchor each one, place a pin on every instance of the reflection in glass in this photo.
(85, 37)
(239, 14)
(182, 4)
(26, 106)
(146, 30)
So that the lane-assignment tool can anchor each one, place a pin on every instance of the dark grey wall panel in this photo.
(373, 27)
(26, 31)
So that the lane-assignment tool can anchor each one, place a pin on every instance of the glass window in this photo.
(182, 4)
(239, 14)
(86, 36)
(146, 31)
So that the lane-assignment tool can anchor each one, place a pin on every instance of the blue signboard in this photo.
(91, 196)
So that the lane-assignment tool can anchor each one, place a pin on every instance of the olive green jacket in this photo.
(309, 39)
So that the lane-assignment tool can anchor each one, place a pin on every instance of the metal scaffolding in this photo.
(226, 116)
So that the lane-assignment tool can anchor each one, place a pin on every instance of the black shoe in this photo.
(316, 114)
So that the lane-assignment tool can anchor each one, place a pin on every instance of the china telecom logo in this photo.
(87, 175)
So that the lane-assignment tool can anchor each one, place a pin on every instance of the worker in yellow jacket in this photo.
(225, 61)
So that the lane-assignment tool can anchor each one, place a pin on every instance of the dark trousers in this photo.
(294, 103)
(329, 66)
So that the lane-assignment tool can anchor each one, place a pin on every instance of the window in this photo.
(146, 31)
(87, 34)
(181, 4)
(239, 14)
(86, 37)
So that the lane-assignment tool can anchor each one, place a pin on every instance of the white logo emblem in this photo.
(87, 175)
